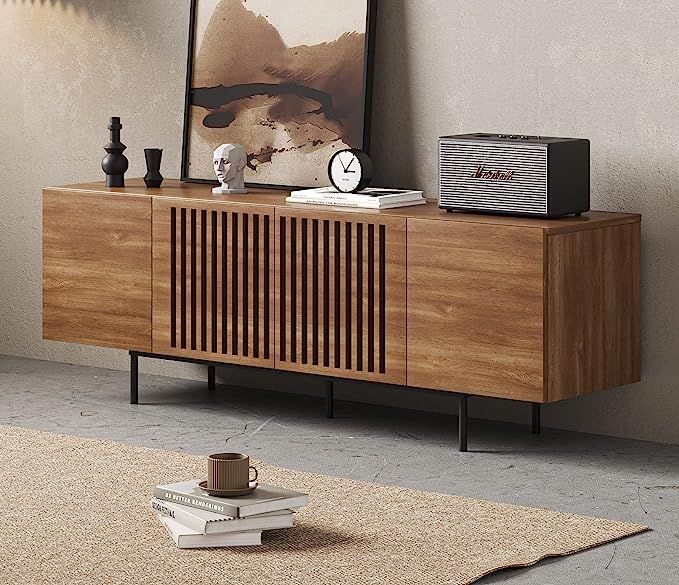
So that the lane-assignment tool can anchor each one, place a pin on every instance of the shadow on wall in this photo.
(75, 3)
(84, 8)
(392, 146)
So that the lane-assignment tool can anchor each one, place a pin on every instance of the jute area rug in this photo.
(77, 511)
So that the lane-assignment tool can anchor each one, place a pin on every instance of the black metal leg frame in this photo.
(462, 420)
(329, 394)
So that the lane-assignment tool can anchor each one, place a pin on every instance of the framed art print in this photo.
(290, 81)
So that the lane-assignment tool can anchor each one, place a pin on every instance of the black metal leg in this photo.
(535, 418)
(462, 422)
(134, 378)
(211, 371)
(329, 400)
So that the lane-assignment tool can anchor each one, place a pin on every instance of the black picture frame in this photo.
(366, 114)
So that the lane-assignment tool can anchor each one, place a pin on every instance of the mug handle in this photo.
(256, 474)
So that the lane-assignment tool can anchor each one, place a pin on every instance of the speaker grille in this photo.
(459, 161)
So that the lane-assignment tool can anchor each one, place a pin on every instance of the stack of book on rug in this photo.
(370, 198)
(194, 519)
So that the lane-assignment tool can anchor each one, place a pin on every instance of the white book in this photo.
(370, 194)
(206, 522)
(186, 538)
(368, 204)
(266, 498)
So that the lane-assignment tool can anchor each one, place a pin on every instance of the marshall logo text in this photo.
(482, 173)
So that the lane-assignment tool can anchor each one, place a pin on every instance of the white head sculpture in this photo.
(229, 164)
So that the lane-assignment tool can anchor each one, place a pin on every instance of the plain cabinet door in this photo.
(96, 277)
(340, 294)
(476, 308)
(213, 281)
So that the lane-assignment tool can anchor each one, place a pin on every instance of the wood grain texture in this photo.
(340, 295)
(97, 269)
(518, 308)
(475, 309)
(196, 192)
(213, 277)
(593, 310)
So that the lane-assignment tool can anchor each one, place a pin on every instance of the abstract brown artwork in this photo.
(290, 81)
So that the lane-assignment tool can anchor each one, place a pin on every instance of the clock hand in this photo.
(340, 159)
(351, 162)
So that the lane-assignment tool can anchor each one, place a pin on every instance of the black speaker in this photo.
(536, 176)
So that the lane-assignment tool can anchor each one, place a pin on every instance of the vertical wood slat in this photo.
(357, 285)
(292, 297)
(193, 269)
(371, 297)
(267, 295)
(299, 296)
(256, 286)
(173, 277)
(304, 291)
(324, 278)
(297, 259)
(339, 305)
(233, 305)
(382, 299)
(315, 253)
(283, 289)
(226, 273)
(214, 275)
(348, 295)
(218, 292)
(364, 297)
(204, 281)
(207, 280)
(329, 262)
(332, 277)
(183, 273)
(244, 275)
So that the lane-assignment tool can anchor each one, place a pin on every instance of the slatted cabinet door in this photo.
(213, 281)
(340, 294)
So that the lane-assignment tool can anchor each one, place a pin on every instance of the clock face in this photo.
(347, 173)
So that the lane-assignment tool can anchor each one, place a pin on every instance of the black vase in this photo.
(115, 162)
(153, 178)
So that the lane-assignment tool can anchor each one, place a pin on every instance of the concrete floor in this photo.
(583, 474)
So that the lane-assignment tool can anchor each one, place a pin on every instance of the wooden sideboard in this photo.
(524, 309)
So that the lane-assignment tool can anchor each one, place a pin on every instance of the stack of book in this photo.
(194, 519)
(371, 198)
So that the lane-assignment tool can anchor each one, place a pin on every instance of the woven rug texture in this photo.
(76, 511)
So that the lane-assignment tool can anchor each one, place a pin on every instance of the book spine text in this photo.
(167, 509)
(200, 502)
(333, 202)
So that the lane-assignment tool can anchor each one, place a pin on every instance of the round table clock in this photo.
(350, 170)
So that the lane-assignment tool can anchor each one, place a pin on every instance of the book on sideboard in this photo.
(370, 198)
(187, 538)
(206, 522)
(266, 498)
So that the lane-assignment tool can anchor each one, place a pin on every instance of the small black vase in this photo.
(115, 162)
(153, 178)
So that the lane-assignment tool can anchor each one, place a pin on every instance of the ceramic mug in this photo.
(229, 471)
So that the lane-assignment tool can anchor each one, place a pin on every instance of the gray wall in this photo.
(605, 70)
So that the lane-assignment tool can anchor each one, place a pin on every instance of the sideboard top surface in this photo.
(173, 188)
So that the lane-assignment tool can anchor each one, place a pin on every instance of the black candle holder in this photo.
(153, 178)
(115, 162)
